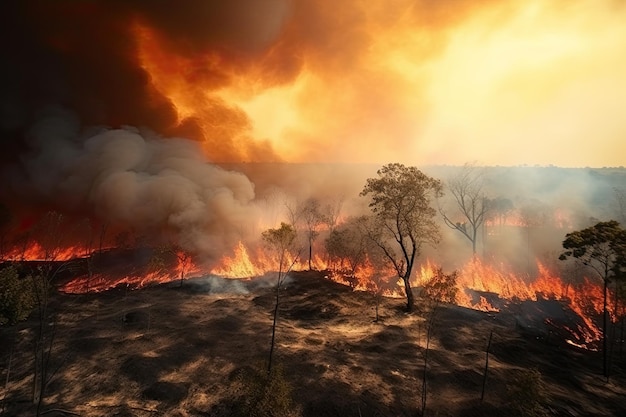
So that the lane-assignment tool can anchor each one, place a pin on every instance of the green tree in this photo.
(403, 217)
(280, 243)
(16, 296)
(601, 247)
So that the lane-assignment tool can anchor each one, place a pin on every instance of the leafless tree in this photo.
(51, 238)
(311, 213)
(620, 205)
(331, 213)
(466, 188)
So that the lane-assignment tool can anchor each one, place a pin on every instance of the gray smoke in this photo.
(134, 179)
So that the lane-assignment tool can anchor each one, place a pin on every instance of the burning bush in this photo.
(441, 287)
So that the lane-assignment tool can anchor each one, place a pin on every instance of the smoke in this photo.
(116, 110)
(135, 179)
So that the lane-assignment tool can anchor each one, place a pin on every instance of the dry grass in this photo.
(169, 351)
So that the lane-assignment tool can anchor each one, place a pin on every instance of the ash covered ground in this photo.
(177, 351)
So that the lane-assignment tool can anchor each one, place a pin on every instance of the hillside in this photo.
(177, 351)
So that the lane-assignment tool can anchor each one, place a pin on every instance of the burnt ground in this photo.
(177, 351)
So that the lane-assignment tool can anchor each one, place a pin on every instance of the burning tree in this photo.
(403, 217)
(442, 288)
(347, 248)
(467, 190)
(602, 248)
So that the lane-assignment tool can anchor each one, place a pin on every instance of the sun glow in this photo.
(522, 79)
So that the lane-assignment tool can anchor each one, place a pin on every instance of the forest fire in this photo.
(34, 251)
(481, 285)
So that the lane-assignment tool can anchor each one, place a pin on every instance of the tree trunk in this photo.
(310, 253)
(604, 326)
(410, 299)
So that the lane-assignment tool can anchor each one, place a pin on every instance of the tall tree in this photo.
(619, 204)
(533, 215)
(601, 247)
(466, 188)
(311, 214)
(280, 242)
(499, 210)
(401, 200)
(51, 238)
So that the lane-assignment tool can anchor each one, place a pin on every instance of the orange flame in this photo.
(240, 265)
(34, 251)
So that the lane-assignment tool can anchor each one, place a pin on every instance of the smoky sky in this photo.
(82, 54)
(85, 128)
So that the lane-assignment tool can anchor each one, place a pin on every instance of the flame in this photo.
(586, 299)
(240, 265)
(481, 285)
(34, 251)
(103, 282)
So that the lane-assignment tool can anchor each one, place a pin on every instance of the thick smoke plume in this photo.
(133, 179)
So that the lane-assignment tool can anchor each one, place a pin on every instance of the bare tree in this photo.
(280, 242)
(331, 213)
(311, 213)
(620, 204)
(403, 216)
(533, 214)
(51, 238)
(466, 188)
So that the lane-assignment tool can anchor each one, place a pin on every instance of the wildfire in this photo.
(240, 265)
(480, 285)
(586, 299)
(34, 251)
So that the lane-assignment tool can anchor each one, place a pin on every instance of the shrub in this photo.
(442, 287)
(527, 394)
(16, 296)
(263, 395)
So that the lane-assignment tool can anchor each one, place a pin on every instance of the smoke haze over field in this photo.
(120, 110)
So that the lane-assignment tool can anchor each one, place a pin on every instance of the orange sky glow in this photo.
(498, 83)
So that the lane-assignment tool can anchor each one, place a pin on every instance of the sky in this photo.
(492, 82)
(537, 82)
